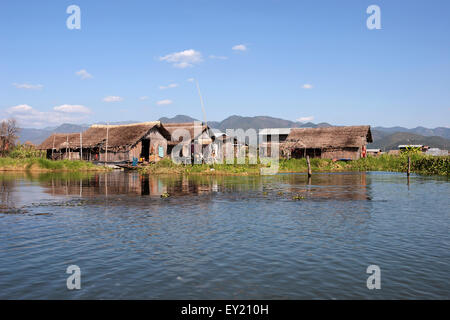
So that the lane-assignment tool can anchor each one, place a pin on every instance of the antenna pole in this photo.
(201, 101)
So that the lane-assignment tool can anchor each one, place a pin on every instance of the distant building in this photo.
(272, 138)
(331, 142)
(436, 152)
(421, 147)
(374, 152)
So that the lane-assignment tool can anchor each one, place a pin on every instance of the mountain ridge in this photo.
(384, 137)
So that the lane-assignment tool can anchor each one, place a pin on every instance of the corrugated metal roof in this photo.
(274, 131)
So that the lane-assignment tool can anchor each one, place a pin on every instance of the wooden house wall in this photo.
(341, 153)
(135, 152)
(156, 140)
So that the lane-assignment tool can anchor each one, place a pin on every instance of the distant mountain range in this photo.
(384, 138)
(391, 141)
(236, 122)
(36, 136)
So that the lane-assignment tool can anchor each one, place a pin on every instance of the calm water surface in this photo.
(224, 237)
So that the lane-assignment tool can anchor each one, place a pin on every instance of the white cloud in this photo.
(172, 85)
(143, 98)
(240, 47)
(112, 99)
(19, 108)
(183, 59)
(28, 86)
(83, 74)
(27, 116)
(164, 102)
(190, 80)
(72, 108)
(305, 119)
(307, 86)
(218, 57)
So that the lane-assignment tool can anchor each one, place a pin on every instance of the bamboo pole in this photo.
(106, 148)
(53, 145)
(81, 146)
(409, 166)
(309, 166)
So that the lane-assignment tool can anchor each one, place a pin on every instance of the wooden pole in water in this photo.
(309, 166)
(106, 149)
(409, 165)
(81, 147)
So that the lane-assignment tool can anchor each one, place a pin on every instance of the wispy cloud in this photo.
(143, 98)
(190, 80)
(239, 47)
(112, 99)
(27, 116)
(307, 86)
(72, 108)
(28, 86)
(20, 108)
(164, 102)
(83, 74)
(172, 85)
(218, 57)
(183, 59)
(305, 119)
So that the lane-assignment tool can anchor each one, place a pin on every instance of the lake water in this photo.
(224, 237)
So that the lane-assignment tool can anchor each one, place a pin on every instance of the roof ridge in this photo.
(153, 123)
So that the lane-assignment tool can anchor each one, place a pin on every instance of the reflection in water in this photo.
(7, 201)
(223, 237)
(320, 186)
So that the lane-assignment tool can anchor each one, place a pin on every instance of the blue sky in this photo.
(309, 60)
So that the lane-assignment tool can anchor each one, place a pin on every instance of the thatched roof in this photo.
(329, 137)
(194, 129)
(59, 141)
(119, 136)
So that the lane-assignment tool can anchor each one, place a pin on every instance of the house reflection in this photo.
(131, 184)
(320, 186)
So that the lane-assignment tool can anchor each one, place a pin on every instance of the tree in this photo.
(8, 135)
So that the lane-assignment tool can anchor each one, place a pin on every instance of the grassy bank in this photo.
(166, 166)
(41, 164)
(419, 164)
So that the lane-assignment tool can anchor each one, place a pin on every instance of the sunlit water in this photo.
(224, 237)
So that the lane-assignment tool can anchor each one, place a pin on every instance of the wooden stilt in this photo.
(309, 166)
(409, 166)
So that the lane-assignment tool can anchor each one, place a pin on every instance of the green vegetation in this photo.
(419, 164)
(41, 164)
(27, 158)
(166, 166)
(23, 151)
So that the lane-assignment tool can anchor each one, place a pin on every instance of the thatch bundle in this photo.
(329, 137)
(120, 137)
(194, 129)
(60, 141)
